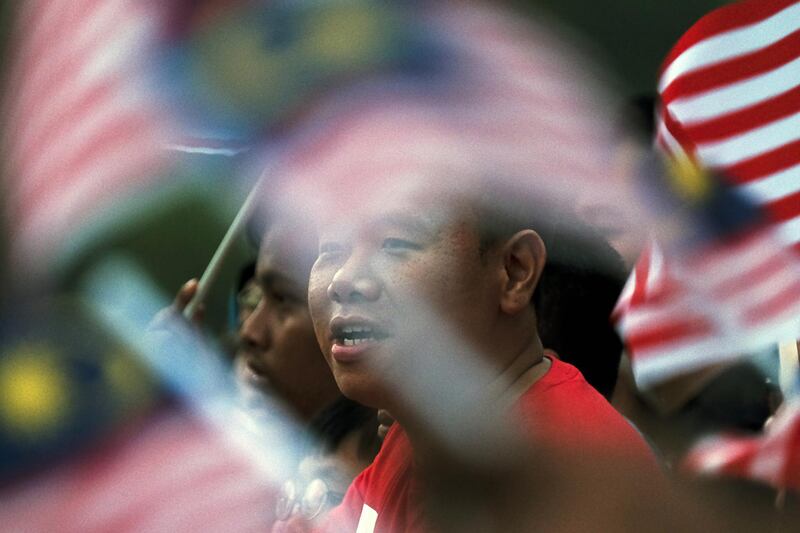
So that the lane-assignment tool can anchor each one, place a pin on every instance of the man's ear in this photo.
(524, 256)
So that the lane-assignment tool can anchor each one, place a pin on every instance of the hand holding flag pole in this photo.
(223, 250)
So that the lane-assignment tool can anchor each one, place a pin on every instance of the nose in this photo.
(354, 283)
(255, 331)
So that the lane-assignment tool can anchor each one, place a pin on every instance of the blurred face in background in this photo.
(279, 352)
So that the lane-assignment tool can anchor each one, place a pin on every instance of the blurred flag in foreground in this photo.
(81, 129)
(729, 126)
(89, 441)
(241, 69)
(167, 473)
(516, 104)
(772, 458)
(62, 385)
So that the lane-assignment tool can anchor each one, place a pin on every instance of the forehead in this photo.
(286, 253)
(413, 203)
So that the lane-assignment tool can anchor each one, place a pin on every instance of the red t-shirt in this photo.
(560, 407)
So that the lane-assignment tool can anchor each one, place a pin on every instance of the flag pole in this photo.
(789, 362)
(214, 267)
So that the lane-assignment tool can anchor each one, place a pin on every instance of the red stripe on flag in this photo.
(772, 458)
(203, 484)
(765, 164)
(56, 127)
(688, 328)
(786, 208)
(678, 132)
(122, 131)
(39, 84)
(770, 308)
(116, 180)
(734, 70)
(769, 267)
(746, 119)
(724, 250)
(725, 19)
(642, 270)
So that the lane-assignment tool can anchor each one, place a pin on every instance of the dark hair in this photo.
(579, 287)
(738, 398)
(247, 272)
(342, 418)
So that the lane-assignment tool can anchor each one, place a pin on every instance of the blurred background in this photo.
(174, 237)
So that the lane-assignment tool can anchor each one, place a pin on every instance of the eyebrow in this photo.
(414, 223)
(269, 279)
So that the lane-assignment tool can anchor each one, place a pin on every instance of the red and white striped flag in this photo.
(173, 474)
(730, 95)
(81, 128)
(772, 458)
(732, 84)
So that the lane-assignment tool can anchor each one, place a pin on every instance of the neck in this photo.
(526, 367)
(520, 374)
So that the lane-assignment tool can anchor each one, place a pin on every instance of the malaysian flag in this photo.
(772, 458)
(515, 102)
(729, 123)
(81, 127)
(90, 441)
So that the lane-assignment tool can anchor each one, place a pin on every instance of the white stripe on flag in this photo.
(789, 231)
(732, 44)
(775, 186)
(741, 147)
(736, 96)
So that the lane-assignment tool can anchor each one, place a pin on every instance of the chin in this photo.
(361, 389)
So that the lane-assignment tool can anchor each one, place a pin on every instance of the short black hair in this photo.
(580, 284)
(578, 289)
(342, 418)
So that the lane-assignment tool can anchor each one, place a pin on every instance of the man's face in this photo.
(381, 266)
(279, 350)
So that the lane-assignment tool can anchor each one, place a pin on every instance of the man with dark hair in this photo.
(399, 255)
(278, 358)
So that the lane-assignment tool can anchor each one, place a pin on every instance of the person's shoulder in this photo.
(559, 373)
(394, 457)
(564, 407)
(370, 485)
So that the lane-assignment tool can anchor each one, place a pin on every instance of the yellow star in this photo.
(34, 392)
(346, 36)
(688, 179)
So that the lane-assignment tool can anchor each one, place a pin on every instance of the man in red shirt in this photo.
(391, 260)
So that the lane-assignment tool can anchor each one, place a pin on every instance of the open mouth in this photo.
(356, 334)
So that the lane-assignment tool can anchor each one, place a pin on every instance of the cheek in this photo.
(298, 341)
(318, 304)
(444, 276)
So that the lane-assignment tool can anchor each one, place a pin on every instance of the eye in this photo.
(249, 298)
(278, 297)
(283, 301)
(399, 244)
